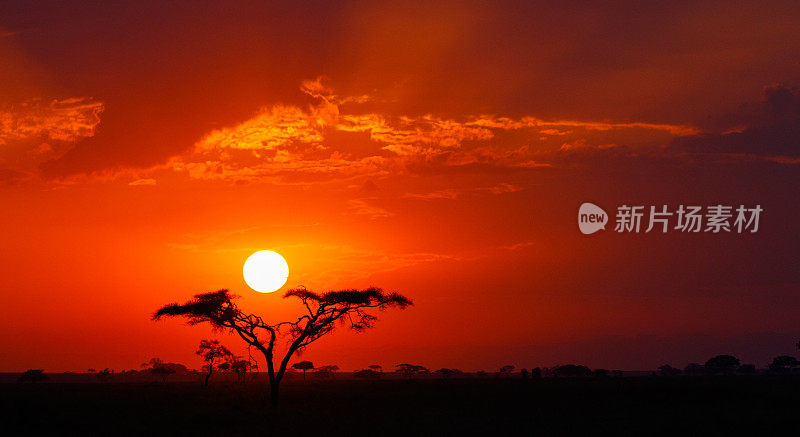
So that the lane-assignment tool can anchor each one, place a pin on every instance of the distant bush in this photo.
(783, 363)
(725, 364)
(410, 370)
(33, 375)
(694, 369)
(506, 370)
(325, 372)
(104, 375)
(571, 371)
(161, 369)
(304, 366)
(667, 370)
(445, 372)
(368, 374)
(747, 369)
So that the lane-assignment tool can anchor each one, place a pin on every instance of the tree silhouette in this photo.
(212, 352)
(163, 372)
(368, 374)
(409, 370)
(601, 373)
(33, 375)
(572, 371)
(240, 366)
(506, 370)
(445, 372)
(104, 374)
(158, 367)
(783, 362)
(747, 369)
(326, 371)
(667, 370)
(376, 367)
(304, 366)
(323, 312)
(722, 364)
(694, 369)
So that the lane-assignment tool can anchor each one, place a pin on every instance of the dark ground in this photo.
(736, 405)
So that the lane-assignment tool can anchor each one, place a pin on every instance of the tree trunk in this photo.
(273, 393)
(205, 384)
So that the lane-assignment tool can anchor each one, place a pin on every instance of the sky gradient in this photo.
(442, 151)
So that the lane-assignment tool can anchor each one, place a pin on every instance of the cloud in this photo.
(324, 142)
(140, 182)
(35, 131)
(584, 145)
(772, 132)
(362, 207)
(57, 120)
(452, 194)
(503, 188)
(518, 246)
(551, 127)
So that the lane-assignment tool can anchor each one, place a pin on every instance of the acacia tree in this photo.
(158, 367)
(240, 366)
(211, 352)
(722, 364)
(322, 313)
(783, 362)
(304, 366)
(410, 370)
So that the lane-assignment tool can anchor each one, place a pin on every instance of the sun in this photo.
(265, 271)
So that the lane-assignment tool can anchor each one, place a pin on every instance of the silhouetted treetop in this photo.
(571, 370)
(219, 309)
(33, 375)
(323, 311)
(303, 365)
(333, 305)
(367, 374)
(370, 296)
(412, 369)
(722, 363)
(214, 307)
(783, 362)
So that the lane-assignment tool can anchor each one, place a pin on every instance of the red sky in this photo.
(440, 151)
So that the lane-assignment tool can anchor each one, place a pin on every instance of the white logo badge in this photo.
(591, 218)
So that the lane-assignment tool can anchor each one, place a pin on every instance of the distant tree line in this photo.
(219, 359)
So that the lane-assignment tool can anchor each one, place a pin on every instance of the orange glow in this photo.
(440, 152)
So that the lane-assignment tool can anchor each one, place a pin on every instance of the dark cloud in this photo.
(171, 73)
(773, 130)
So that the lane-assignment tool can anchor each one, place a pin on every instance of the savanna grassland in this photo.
(491, 406)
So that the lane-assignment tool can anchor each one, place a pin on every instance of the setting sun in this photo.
(265, 271)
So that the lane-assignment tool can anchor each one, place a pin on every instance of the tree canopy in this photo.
(322, 313)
